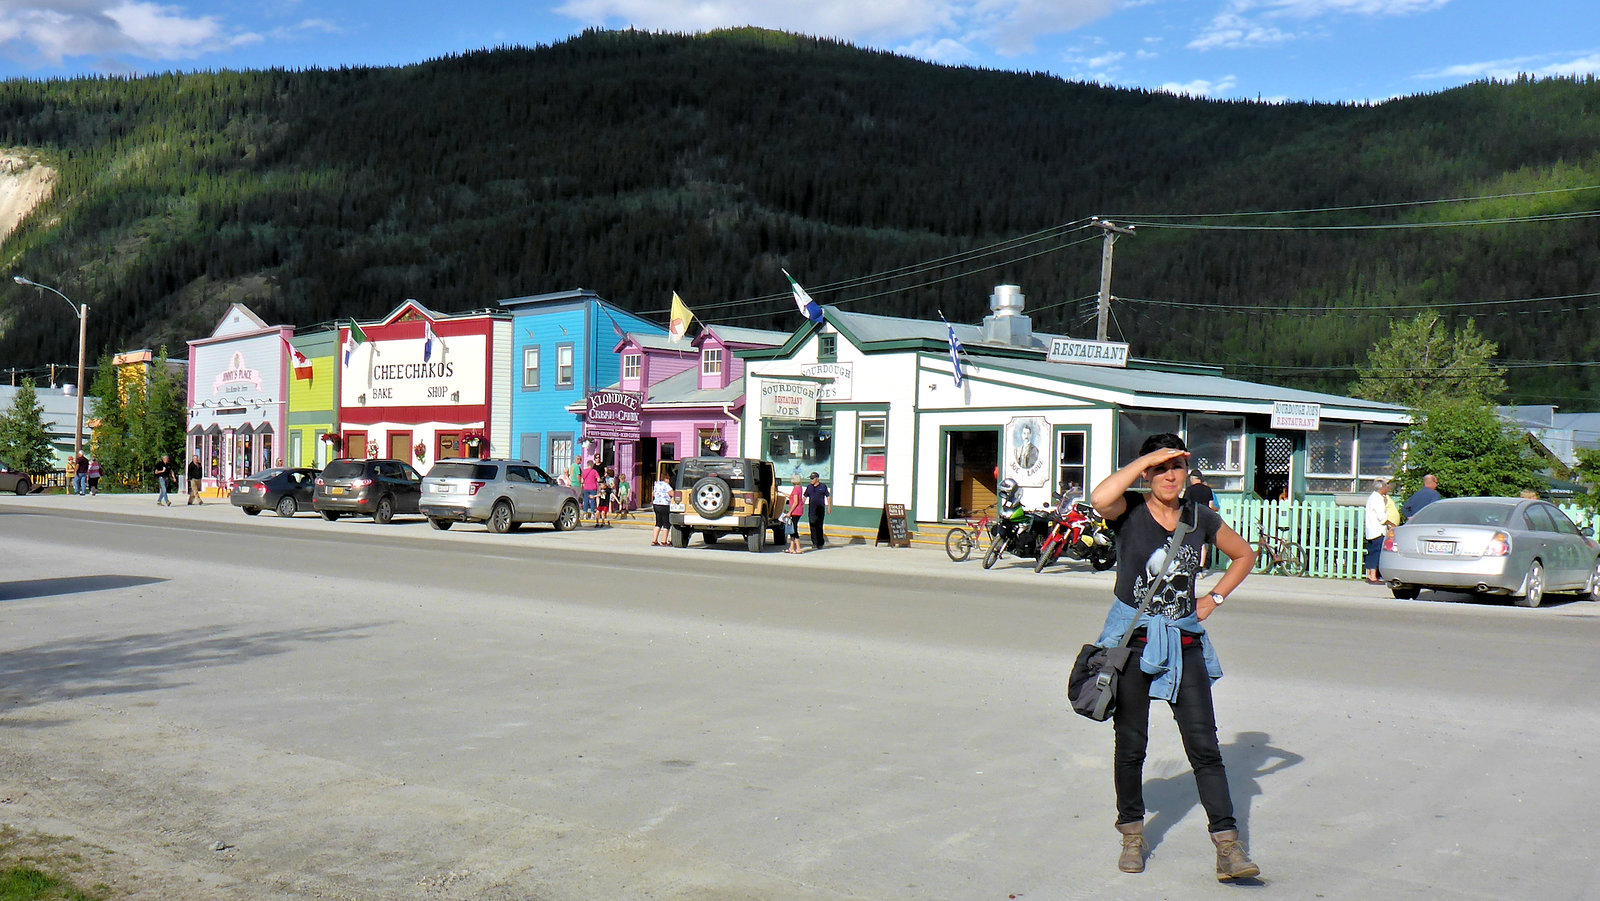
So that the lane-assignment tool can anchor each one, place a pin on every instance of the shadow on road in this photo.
(128, 664)
(1248, 758)
(43, 588)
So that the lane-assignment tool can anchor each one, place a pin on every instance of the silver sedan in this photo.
(1492, 546)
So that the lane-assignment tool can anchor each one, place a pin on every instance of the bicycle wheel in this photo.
(958, 544)
(1294, 562)
(993, 555)
(1264, 560)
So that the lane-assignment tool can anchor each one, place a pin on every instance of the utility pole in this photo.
(1112, 232)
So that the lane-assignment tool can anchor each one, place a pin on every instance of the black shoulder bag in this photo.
(1092, 687)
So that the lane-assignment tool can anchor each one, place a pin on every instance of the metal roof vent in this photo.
(1006, 324)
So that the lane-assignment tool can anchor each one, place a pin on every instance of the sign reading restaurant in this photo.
(1296, 417)
(613, 415)
(1094, 353)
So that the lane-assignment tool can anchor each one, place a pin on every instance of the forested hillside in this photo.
(638, 164)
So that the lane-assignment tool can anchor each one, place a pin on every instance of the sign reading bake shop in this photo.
(237, 378)
(396, 374)
(612, 414)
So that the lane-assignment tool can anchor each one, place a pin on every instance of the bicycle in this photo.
(1278, 552)
(959, 541)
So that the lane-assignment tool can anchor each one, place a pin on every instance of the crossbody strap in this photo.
(1178, 536)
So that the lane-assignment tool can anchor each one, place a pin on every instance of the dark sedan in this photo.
(287, 491)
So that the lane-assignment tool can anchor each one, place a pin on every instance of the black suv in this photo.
(714, 495)
(376, 488)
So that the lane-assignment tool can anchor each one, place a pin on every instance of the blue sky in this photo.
(1326, 50)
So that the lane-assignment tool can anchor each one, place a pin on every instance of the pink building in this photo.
(692, 392)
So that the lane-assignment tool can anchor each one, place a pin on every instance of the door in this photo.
(972, 460)
(400, 446)
(355, 445)
(1274, 464)
(446, 445)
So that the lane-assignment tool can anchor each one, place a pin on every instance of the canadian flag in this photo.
(302, 366)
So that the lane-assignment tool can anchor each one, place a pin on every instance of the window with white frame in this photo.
(1331, 458)
(530, 368)
(560, 453)
(631, 365)
(1072, 464)
(711, 361)
(872, 445)
(564, 365)
(1216, 448)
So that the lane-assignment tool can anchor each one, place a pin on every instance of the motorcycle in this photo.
(1080, 532)
(1016, 529)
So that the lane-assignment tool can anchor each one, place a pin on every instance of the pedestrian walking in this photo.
(1176, 659)
(819, 502)
(80, 474)
(164, 475)
(94, 475)
(195, 475)
(791, 517)
(1377, 527)
(661, 503)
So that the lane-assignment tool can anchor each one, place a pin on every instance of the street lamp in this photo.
(82, 312)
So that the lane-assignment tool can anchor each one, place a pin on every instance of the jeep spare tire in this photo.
(711, 497)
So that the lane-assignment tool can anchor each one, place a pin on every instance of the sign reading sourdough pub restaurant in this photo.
(1094, 353)
(1296, 417)
(613, 415)
(790, 400)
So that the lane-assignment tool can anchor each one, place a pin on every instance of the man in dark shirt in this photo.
(195, 474)
(818, 503)
(1422, 497)
(1201, 495)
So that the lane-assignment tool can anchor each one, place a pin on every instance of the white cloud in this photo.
(52, 30)
(944, 50)
(1505, 69)
(1201, 87)
(1255, 23)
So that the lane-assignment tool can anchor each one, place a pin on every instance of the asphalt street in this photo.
(360, 711)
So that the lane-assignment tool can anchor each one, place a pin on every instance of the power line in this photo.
(1376, 226)
(1311, 308)
(1365, 206)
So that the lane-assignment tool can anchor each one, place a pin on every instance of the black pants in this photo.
(1197, 726)
(817, 539)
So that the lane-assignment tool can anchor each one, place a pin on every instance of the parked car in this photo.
(287, 491)
(504, 494)
(1492, 546)
(718, 495)
(377, 488)
(14, 482)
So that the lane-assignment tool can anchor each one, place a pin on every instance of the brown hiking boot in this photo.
(1132, 859)
(1232, 862)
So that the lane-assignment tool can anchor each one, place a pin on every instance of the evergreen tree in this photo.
(1422, 361)
(166, 412)
(1470, 449)
(24, 439)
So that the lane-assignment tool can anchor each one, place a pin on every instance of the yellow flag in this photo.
(678, 326)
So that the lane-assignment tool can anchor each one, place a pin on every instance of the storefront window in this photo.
(1216, 447)
(1376, 446)
(1331, 458)
(1133, 428)
(872, 444)
(801, 447)
(1072, 464)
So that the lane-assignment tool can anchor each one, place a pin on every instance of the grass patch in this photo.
(24, 883)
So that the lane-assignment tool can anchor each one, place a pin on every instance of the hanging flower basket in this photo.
(421, 452)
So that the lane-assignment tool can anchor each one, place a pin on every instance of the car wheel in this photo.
(23, 486)
(1593, 593)
(287, 507)
(1532, 586)
(756, 538)
(250, 511)
(711, 497)
(500, 518)
(329, 515)
(680, 536)
(442, 525)
(1404, 593)
(957, 545)
(385, 512)
(997, 548)
(568, 520)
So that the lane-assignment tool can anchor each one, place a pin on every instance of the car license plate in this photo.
(441, 489)
(1438, 547)
(336, 490)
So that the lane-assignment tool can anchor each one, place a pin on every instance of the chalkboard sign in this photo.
(892, 527)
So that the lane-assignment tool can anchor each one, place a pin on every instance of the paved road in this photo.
(390, 712)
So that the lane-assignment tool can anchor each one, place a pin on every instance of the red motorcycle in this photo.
(1081, 533)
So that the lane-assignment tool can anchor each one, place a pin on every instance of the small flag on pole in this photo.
(955, 349)
(678, 325)
(302, 366)
(428, 340)
(808, 307)
(353, 340)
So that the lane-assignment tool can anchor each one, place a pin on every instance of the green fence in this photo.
(1331, 535)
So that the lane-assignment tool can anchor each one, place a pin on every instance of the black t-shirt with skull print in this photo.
(1139, 537)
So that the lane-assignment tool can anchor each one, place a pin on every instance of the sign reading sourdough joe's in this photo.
(612, 415)
(791, 400)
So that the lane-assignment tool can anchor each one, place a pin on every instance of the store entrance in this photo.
(1274, 460)
(971, 460)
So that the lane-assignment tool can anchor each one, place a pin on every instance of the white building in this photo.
(238, 396)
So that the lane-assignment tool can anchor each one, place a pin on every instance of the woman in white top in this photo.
(661, 501)
(1377, 527)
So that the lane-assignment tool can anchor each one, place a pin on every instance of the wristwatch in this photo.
(1218, 598)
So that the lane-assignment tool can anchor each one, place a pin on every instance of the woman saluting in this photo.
(1177, 663)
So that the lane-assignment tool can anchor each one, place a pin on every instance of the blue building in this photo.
(563, 347)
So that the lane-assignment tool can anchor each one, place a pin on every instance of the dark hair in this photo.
(1157, 442)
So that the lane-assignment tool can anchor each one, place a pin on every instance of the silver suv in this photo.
(502, 493)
